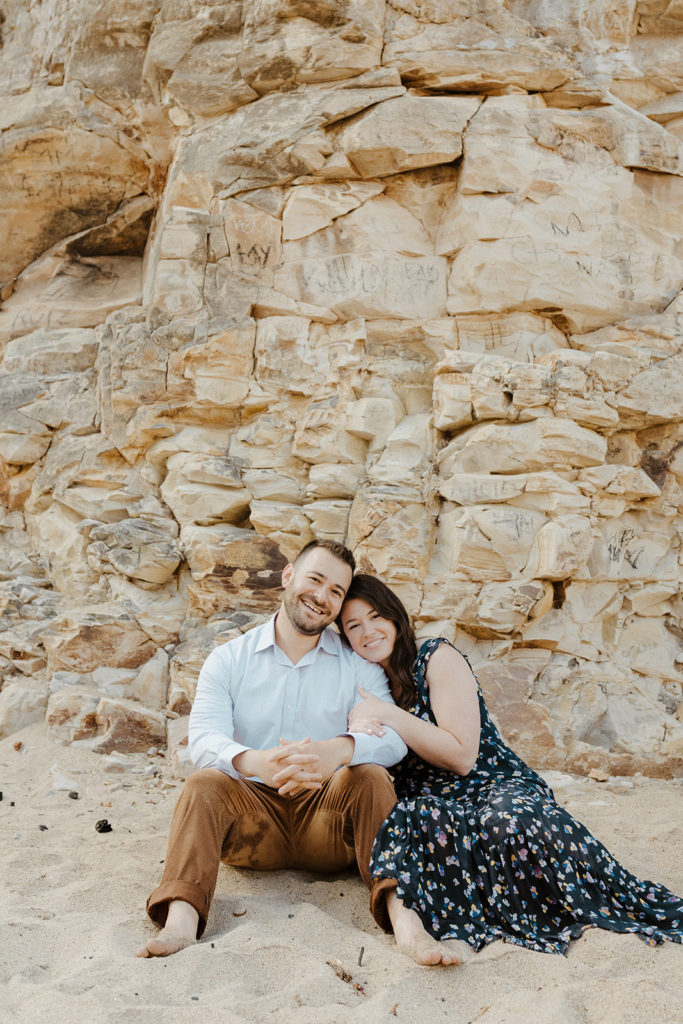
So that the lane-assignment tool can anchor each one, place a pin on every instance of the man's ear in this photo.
(287, 574)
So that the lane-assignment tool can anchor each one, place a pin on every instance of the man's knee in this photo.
(212, 792)
(368, 784)
(205, 783)
(363, 775)
(372, 775)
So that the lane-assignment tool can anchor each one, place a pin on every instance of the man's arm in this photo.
(389, 748)
(211, 742)
(349, 748)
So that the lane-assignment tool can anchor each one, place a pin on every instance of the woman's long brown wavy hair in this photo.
(385, 603)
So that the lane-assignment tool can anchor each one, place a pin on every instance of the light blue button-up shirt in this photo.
(249, 694)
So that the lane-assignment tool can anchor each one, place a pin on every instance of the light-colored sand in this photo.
(71, 913)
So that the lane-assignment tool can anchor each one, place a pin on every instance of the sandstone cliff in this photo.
(403, 273)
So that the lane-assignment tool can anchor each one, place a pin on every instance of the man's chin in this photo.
(309, 632)
(303, 619)
(309, 629)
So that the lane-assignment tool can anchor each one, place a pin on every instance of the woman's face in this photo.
(370, 635)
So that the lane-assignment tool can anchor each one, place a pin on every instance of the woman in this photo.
(477, 848)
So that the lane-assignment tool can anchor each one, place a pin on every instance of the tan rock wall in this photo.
(403, 274)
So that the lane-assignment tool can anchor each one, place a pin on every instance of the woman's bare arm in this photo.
(454, 742)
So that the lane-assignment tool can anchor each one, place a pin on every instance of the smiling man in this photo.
(282, 783)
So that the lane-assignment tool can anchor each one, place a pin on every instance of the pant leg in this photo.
(250, 825)
(336, 826)
(218, 817)
(379, 891)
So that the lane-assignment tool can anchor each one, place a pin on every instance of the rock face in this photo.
(406, 275)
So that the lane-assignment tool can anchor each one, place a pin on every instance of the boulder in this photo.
(377, 285)
(460, 53)
(310, 208)
(127, 727)
(232, 569)
(204, 489)
(285, 43)
(71, 714)
(538, 445)
(135, 548)
(22, 702)
(84, 639)
(487, 542)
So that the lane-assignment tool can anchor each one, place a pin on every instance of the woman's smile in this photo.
(370, 635)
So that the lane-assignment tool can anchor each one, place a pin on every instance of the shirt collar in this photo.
(266, 635)
(329, 640)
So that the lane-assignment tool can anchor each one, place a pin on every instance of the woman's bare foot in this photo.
(179, 931)
(413, 940)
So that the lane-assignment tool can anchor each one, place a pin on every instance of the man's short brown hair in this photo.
(334, 547)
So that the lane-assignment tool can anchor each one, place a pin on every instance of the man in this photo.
(264, 799)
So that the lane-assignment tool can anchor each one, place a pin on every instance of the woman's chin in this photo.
(376, 657)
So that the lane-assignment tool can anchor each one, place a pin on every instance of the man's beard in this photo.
(291, 606)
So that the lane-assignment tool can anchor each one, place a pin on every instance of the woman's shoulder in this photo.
(430, 645)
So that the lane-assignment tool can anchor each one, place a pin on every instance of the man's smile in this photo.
(316, 609)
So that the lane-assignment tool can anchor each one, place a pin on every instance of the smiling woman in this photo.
(369, 633)
(477, 848)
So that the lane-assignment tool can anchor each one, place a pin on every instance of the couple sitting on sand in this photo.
(475, 849)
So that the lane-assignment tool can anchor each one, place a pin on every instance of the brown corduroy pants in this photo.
(249, 825)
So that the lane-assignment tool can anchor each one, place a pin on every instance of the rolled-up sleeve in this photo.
(211, 742)
(385, 750)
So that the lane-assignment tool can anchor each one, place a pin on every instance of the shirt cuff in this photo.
(364, 748)
(225, 759)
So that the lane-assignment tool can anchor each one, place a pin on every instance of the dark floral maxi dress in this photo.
(491, 855)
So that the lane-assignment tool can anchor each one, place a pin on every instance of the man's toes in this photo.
(165, 945)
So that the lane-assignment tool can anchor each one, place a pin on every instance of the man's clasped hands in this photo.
(298, 765)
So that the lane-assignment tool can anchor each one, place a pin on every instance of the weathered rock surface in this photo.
(403, 275)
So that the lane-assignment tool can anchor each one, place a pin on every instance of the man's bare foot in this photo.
(413, 940)
(179, 931)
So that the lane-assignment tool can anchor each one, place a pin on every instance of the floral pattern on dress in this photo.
(491, 855)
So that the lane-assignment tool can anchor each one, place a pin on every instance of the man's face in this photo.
(314, 590)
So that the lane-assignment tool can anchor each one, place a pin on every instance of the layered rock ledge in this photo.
(404, 274)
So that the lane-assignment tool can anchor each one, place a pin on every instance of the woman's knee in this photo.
(507, 815)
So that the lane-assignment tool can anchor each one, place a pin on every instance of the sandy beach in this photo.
(73, 918)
